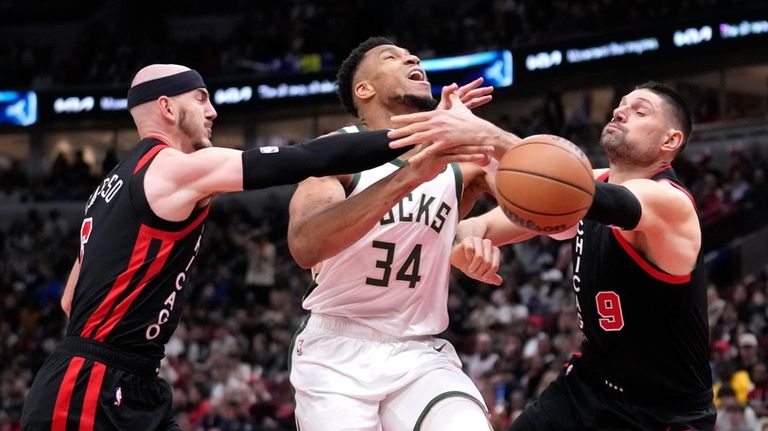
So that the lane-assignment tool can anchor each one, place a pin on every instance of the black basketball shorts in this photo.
(76, 390)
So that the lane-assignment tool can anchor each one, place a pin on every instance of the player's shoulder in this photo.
(355, 128)
(600, 173)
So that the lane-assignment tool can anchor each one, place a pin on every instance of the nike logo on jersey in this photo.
(439, 349)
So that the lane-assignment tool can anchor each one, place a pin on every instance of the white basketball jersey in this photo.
(395, 278)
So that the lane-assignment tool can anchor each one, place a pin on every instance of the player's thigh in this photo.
(407, 408)
(335, 412)
(555, 409)
(131, 402)
(37, 413)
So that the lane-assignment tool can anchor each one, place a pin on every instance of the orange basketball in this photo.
(545, 184)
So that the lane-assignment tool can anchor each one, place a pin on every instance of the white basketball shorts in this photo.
(350, 377)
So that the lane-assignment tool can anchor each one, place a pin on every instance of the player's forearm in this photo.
(335, 227)
(500, 230)
(325, 156)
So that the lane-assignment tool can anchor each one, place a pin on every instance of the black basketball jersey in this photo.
(133, 264)
(646, 330)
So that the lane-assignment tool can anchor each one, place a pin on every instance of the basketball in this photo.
(545, 184)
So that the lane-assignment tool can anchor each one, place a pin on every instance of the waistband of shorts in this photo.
(110, 356)
(347, 327)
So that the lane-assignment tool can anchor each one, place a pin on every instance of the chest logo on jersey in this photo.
(419, 209)
(106, 190)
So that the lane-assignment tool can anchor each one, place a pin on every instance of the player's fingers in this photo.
(455, 100)
(408, 129)
(464, 89)
(448, 89)
(478, 258)
(463, 149)
(496, 278)
(416, 117)
(480, 153)
(478, 101)
(415, 138)
(493, 269)
(478, 92)
(462, 158)
(469, 252)
(482, 91)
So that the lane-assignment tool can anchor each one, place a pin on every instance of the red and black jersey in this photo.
(133, 264)
(646, 330)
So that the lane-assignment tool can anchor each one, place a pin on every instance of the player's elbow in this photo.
(304, 260)
(303, 252)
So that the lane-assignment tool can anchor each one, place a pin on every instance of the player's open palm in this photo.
(478, 258)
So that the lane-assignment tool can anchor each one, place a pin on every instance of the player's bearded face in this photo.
(619, 149)
(418, 103)
(195, 131)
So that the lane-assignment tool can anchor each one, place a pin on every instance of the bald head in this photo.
(159, 80)
(155, 71)
(172, 100)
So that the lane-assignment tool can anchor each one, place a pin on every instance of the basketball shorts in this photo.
(86, 385)
(575, 401)
(350, 377)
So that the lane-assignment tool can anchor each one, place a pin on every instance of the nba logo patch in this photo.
(299, 346)
(118, 396)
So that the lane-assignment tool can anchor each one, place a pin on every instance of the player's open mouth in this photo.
(417, 75)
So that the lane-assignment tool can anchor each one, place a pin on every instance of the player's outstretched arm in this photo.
(175, 181)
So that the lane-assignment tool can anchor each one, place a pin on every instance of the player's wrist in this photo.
(501, 142)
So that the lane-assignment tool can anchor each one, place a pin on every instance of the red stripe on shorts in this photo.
(63, 398)
(91, 401)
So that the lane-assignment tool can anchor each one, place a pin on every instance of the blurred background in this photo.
(558, 67)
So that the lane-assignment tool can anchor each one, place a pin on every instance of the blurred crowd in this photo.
(232, 37)
(228, 362)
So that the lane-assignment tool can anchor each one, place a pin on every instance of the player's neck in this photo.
(380, 117)
(157, 133)
(621, 172)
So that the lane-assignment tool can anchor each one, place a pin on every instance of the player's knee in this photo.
(455, 414)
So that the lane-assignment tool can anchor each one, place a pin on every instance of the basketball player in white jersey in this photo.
(367, 358)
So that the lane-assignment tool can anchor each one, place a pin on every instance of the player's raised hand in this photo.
(478, 258)
(473, 95)
(456, 129)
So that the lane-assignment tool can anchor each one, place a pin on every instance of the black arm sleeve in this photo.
(344, 153)
(615, 205)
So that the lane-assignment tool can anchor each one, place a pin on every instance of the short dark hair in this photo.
(349, 66)
(680, 111)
